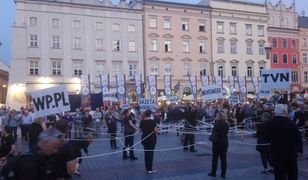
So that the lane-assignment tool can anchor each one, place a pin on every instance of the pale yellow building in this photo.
(303, 48)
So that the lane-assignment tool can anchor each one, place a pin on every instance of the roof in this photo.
(175, 3)
(303, 21)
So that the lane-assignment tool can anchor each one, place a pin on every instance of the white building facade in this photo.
(54, 42)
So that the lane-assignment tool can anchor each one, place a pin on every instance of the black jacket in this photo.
(220, 135)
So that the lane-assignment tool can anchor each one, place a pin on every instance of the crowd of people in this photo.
(55, 142)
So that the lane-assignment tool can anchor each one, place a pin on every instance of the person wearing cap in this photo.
(285, 143)
(148, 139)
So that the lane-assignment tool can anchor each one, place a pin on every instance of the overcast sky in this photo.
(7, 17)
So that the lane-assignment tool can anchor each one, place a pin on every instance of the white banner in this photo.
(274, 79)
(167, 84)
(218, 80)
(147, 104)
(152, 85)
(213, 92)
(231, 84)
(50, 101)
(205, 80)
(105, 83)
(234, 100)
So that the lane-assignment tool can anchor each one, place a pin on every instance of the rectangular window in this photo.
(77, 43)
(305, 58)
(185, 46)
(168, 69)
(234, 71)
(220, 71)
(233, 47)
(220, 27)
(33, 67)
(185, 26)
(260, 30)
(100, 68)
(248, 29)
(294, 59)
(249, 49)
(202, 70)
(261, 68)
(293, 45)
(305, 76)
(33, 21)
(202, 47)
(117, 68)
(132, 46)
(55, 42)
(131, 28)
(304, 42)
(261, 49)
(232, 28)
(275, 58)
(99, 26)
(202, 27)
(132, 70)
(76, 24)
(187, 68)
(116, 45)
(154, 69)
(167, 46)
(115, 27)
(153, 23)
(284, 43)
(220, 47)
(167, 24)
(56, 68)
(33, 40)
(99, 45)
(294, 76)
(77, 68)
(153, 46)
(55, 23)
(249, 71)
(285, 59)
(274, 43)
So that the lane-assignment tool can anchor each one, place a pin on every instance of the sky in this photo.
(7, 17)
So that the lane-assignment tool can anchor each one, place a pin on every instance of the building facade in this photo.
(303, 47)
(177, 42)
(283, 36)
(239, 38)
(54, 42)
(4, 79)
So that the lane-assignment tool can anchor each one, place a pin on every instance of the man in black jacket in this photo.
(286, 144)
(189, 128)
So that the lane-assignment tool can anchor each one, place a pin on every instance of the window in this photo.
(56, 68)
(153, 23)
(77, 43)
(249, 49)
(261, 49)
(261, 68)
(293, 45)
(167, 24)
(99, 45)
(116, 45)
(100, 68)
(274, 43)
(234, 70)
(185, 26)
(249, 71)
(132, 70)
(284, 43)
(115, 27)
(248, 29)
(167, 46)
(154, 69)
(187, 68)
(117, 68)
(233, 47)
(55, 42)
(294, 76)
(201, 26)
(202, 47)
(33, 40)
(304, 42)
(285, 59)
(99, 26)
(132, 46)
(76, 24)
(55, 23)
(294, 59)
(33, 21)
(33, 67)
(220, 47)
(260, 30)
(185, 46)
(77, 68)
(202, 70)
(220, 71)
(153, 45)
(131, 28)
(220, 27)
(168, 69)
(232, 28)
(305, 58)
(305, 76)
(275, 58)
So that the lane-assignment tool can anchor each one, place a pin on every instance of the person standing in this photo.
(97, 117)
(77, 117)
(219, 144)
(26, 121)
(34, 131)
(189, 128)
(7, 144)
(286, 144)
(148, 139)
(112, 129)
(129, 131)
(86, 120)
(69, 120)
(12, 122)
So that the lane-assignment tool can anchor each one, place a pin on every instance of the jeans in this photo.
(129, 142)
(14, 133)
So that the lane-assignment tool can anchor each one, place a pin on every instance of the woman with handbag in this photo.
(219, 140)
